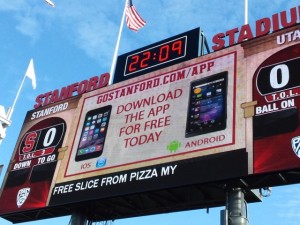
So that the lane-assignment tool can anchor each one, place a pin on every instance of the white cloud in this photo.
(15, 5)
(288, 205)
(95, 40)
(29, 26)
(25, 15)
(92, 26)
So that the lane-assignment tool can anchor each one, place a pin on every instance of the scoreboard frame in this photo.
(175, 171)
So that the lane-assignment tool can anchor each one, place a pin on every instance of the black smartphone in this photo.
(93, 133)
(207, 111)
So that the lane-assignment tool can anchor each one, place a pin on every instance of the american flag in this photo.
(133, 20)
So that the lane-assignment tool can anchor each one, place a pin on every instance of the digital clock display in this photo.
(156, 56)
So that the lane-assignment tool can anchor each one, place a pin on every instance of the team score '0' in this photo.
(154, 56)
(41, 142)
(279, 77)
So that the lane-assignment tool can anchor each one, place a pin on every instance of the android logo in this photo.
(173, 146)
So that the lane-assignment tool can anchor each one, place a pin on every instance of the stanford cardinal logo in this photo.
(295, 142)
(22, 196)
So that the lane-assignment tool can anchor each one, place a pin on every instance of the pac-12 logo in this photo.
(295, 142)
(22, 196)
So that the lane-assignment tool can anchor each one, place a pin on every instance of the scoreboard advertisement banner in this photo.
(186, 110)
(30, 174)
(153, 128)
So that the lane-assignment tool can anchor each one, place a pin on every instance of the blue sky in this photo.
(76, 40)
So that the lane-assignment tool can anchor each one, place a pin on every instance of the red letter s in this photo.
(219, 41)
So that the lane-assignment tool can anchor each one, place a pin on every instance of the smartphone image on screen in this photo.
(93, 133)
(207, 111)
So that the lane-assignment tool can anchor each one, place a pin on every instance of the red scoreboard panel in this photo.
(276, 130)
(30, 174)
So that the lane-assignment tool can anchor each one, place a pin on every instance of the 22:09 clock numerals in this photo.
(135, 61)
(148, 58)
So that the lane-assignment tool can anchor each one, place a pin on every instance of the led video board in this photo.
(147, 128)
(226, 116)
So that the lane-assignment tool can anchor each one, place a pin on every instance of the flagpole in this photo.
(246, 11)
(112, 69)
(11, 109)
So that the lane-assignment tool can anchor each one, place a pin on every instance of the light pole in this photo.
(246, 12)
